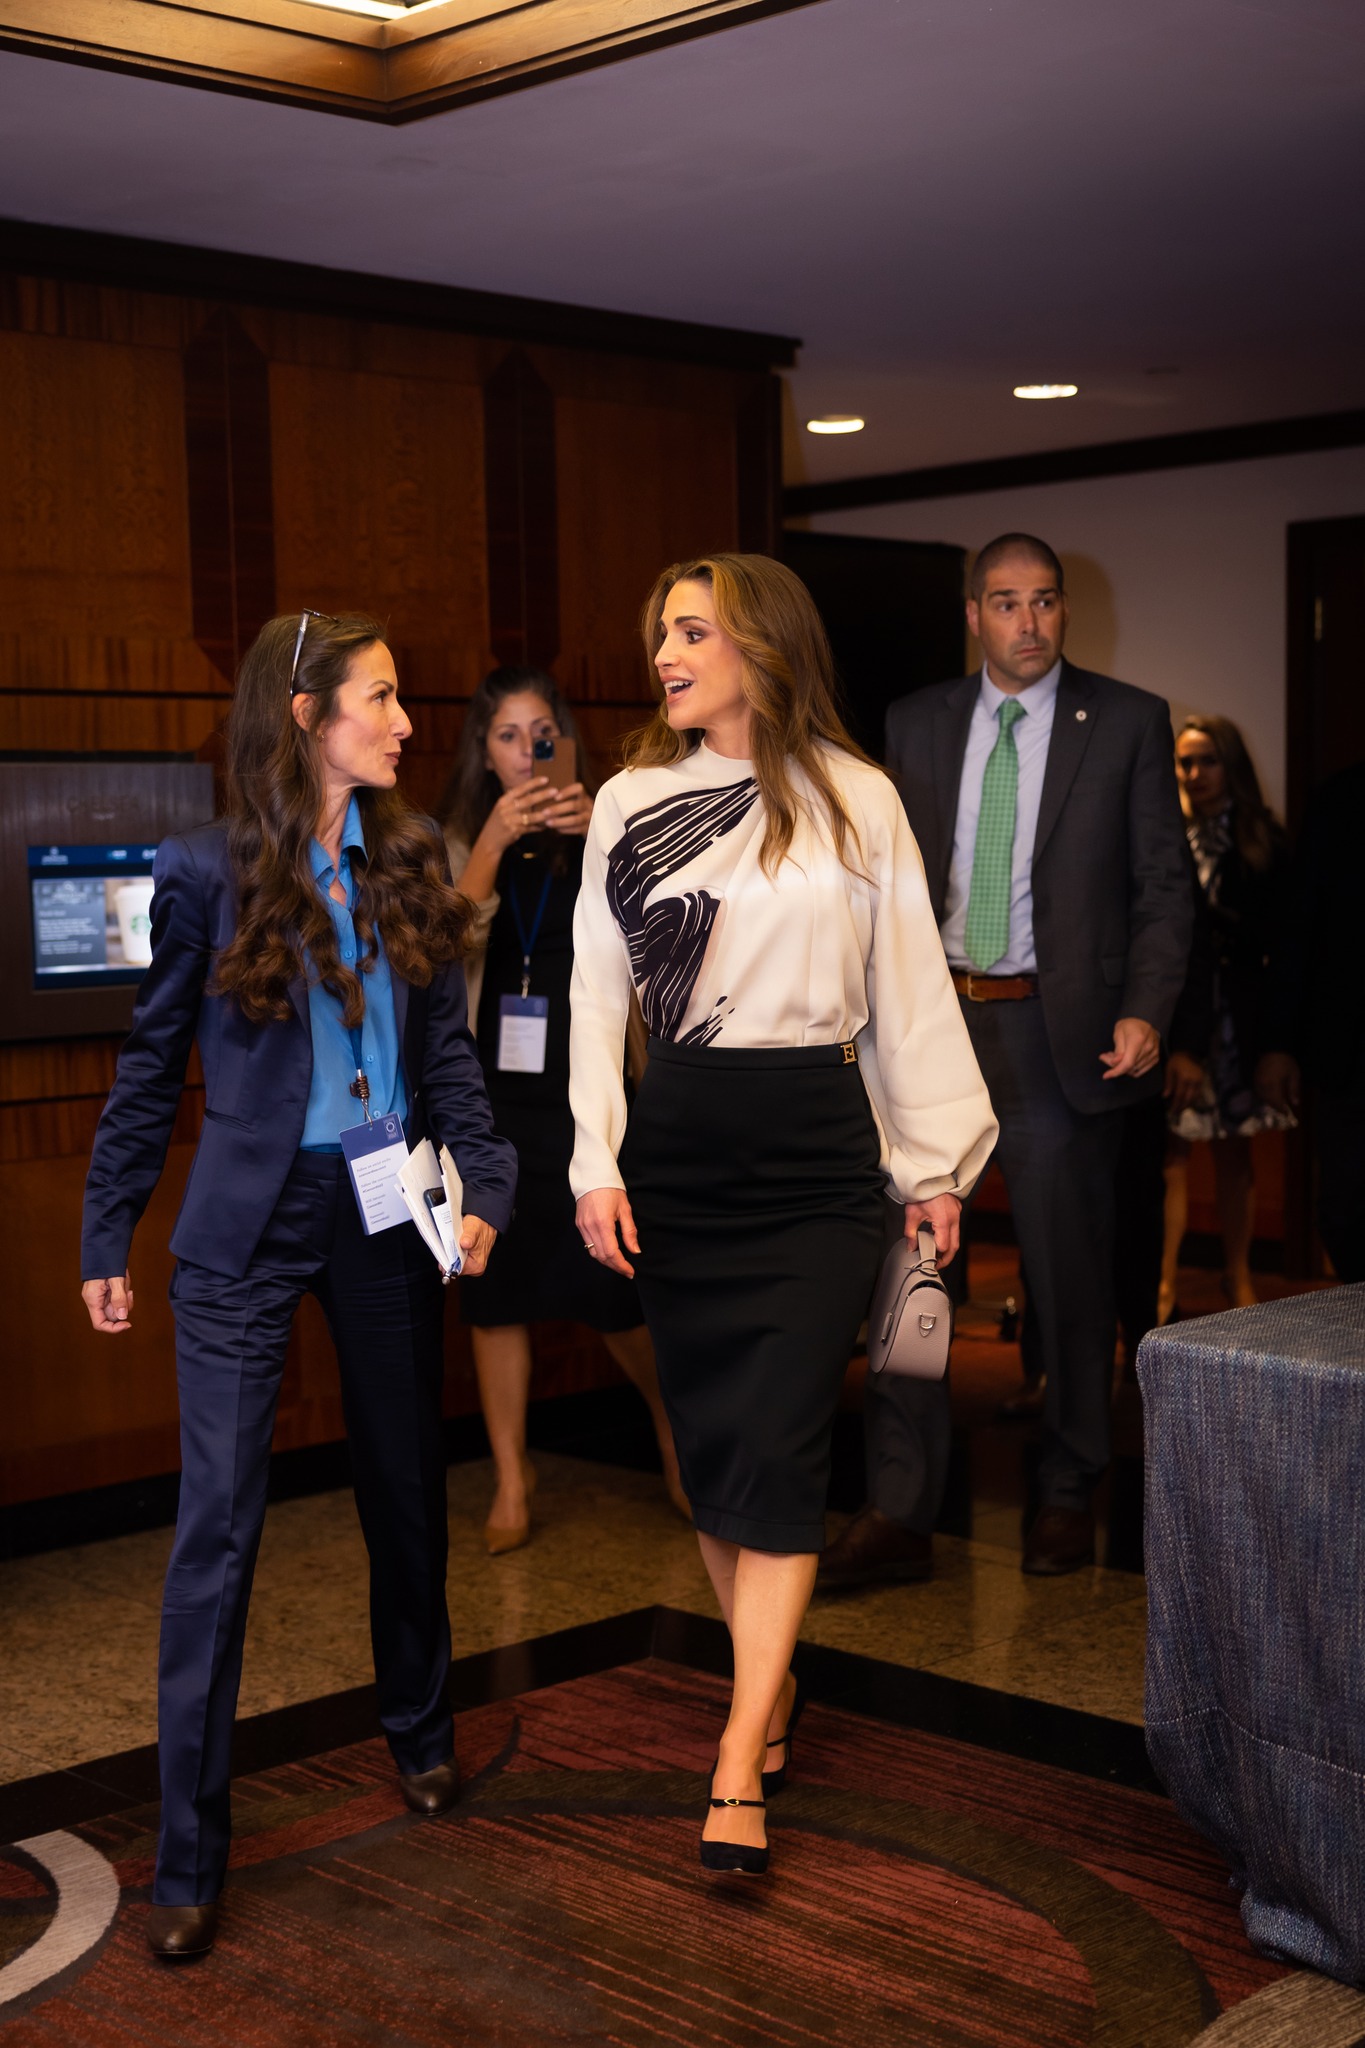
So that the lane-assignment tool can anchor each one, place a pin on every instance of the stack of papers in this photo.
(434, 1195)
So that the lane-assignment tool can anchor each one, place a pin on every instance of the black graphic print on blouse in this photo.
(668, 940)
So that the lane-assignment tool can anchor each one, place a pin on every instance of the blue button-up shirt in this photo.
(1032, 733)
(331, 1106)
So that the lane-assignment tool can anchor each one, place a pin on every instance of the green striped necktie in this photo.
(988, 905)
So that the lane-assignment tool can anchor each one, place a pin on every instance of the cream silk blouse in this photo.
(675, 902)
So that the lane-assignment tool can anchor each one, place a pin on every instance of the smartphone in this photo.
(438, 1205)
(556, 759)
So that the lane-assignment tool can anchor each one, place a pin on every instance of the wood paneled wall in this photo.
(178, 467)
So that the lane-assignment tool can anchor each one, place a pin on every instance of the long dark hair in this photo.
(276, 791)
(788, 683)
(473, 788)
(1255, 830)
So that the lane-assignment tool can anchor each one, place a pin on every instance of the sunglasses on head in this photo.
(295, 686)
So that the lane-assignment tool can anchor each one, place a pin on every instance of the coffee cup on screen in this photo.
(133, 903)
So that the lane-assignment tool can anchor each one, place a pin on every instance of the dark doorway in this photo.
(893, 610)
(1324, 733)
(1325, 723)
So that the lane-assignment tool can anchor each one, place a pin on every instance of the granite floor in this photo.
(78, 1627)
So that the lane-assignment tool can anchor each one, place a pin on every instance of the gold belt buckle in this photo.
(850, 1053)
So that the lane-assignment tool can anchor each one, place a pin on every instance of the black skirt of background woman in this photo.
(541, 1272)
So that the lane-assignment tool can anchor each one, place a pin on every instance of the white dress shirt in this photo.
(1032, 733)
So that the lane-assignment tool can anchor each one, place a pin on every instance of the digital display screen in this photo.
(92, 914)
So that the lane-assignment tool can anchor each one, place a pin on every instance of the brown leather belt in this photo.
(995, 988)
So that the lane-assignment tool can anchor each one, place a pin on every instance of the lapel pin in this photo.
(1080, 718)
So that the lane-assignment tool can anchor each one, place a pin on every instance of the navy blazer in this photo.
(1113, 894)
(256, 1083)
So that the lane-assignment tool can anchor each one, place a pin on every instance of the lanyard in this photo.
(528, 940)
(360, 1086)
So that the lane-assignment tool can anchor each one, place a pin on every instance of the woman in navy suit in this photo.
(311, 941)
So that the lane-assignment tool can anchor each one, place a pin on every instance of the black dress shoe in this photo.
(178, 1932)
(1025, 1406)
(745, 1858)
(873, 1548)
(432, 1792)
(1061, 1540)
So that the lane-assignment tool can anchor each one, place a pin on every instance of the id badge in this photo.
(374, 1152)
(523, 1027)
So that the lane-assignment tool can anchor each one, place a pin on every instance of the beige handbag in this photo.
(911, 1324)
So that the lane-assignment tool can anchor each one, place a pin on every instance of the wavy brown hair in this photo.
(276, 791)
(1255, 829)
(473, 788)
(788, 683)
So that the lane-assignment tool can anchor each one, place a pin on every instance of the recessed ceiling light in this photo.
(836, 423)
(1046, 390)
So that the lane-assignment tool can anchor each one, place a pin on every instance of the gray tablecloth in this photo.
(1255, 1536)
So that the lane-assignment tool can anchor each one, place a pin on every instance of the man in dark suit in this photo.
(1044, 801)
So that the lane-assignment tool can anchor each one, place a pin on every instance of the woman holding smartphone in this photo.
(515, 812)
(751, 874)
(310, 943)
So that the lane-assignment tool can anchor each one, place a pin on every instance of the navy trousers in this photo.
(382, 1299)
(1059, 1169)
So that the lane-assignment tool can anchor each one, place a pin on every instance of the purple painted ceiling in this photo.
(1161, 200)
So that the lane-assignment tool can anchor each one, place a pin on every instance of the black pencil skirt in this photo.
(539, 1271)
(758, 1197)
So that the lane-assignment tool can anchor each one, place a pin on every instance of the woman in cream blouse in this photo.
(752, 875)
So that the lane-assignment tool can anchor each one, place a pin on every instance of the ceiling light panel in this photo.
(375, 58)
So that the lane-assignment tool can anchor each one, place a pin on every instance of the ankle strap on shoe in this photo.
(739, 1802)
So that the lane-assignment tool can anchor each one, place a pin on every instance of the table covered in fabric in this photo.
(1255, 1539)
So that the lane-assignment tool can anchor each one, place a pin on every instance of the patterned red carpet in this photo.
(924, 1892)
